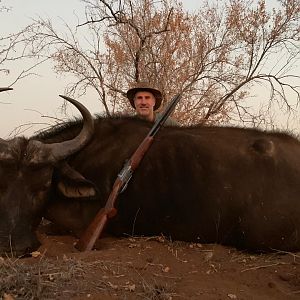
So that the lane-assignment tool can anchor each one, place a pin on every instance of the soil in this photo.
(148, 268)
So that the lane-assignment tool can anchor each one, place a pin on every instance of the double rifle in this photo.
(95, 228)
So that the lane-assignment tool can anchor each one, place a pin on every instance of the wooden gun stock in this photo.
(94, 230)
(91, 234)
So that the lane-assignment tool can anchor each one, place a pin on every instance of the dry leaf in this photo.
(51, 277)
(130, 287)
(35, 254)
(114, 286)
(166, 269)
(8, 297)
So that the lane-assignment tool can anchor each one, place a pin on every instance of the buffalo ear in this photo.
(72, 184)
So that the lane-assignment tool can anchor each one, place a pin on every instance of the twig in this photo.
(263, 266)
(287, 252)
(169, 277)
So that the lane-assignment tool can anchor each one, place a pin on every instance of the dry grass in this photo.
(130, 269)
(155, 291)
(70, 278)
(44, 279)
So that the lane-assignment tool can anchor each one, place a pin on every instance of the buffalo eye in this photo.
(39, 177)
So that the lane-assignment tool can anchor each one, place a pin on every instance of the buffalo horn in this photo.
(64, 149)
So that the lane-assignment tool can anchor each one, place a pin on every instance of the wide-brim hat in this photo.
(146, 87)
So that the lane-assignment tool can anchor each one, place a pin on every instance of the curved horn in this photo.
(66, 148)
(5, 89)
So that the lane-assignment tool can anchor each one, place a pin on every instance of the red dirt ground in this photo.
(154, 268)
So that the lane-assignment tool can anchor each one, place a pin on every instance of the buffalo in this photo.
(206, 184)
(26, 170)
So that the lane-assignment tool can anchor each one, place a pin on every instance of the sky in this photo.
(35, 97)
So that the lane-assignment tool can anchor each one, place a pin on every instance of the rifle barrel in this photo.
(168, 110)
(91, 234)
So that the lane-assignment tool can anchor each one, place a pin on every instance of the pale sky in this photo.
(38, 95)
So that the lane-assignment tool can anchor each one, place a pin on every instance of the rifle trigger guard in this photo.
(125, 175)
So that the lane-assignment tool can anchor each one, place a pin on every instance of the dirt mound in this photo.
(148, 268)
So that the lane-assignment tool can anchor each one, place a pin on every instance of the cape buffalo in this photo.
(26, 169)
(232, 186)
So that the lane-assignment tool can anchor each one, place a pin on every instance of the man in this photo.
(146, 99)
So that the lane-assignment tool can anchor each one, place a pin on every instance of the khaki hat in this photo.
(146, 87)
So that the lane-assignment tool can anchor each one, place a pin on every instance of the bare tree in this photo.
(215, 56)
(15, 47)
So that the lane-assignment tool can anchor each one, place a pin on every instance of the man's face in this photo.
(144, 103)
